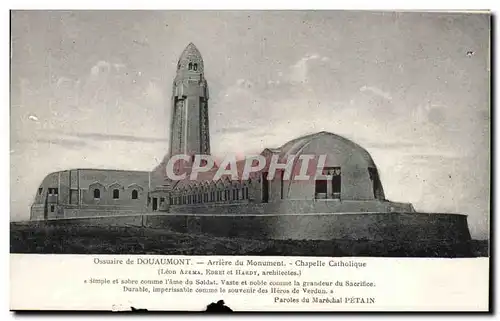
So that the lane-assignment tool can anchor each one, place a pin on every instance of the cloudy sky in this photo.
(92, 89)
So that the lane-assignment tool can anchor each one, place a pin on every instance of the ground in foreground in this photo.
(67, 239)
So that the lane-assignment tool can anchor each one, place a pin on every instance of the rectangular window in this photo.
(321, 188)
(52, 208)
(376, 185)
(336, 186)
(336, 177)
(265, 188)
(281, 183)
(333, 177)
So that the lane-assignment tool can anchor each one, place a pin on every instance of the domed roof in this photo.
(360, 180)
(296, 146)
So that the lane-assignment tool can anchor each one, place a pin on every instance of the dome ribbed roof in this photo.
(294, 146)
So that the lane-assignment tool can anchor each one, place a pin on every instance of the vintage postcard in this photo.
(250, 160)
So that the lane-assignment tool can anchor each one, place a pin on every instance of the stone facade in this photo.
(74, 192)
(349, 181)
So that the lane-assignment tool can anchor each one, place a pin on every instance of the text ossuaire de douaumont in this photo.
(304, 263)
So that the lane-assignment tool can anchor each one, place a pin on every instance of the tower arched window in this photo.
(135, 194)
(97, 193)
(190, 66)
(116, 194)
(195, 67)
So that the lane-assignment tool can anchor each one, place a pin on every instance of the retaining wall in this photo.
(294, 206)
(356, 226)
(408, 227)
(83, 211)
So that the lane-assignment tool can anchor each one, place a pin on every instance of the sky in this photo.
(92, 89)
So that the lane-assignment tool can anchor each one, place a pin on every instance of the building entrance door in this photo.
(265, 188)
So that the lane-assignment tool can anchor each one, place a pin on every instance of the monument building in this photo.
(345, 199)
(349, 181)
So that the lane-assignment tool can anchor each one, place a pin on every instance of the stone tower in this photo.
(189, 132)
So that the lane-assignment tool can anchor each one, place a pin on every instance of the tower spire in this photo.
(189, 131)
(192, 55)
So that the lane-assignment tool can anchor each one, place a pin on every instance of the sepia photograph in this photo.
(311, 133)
